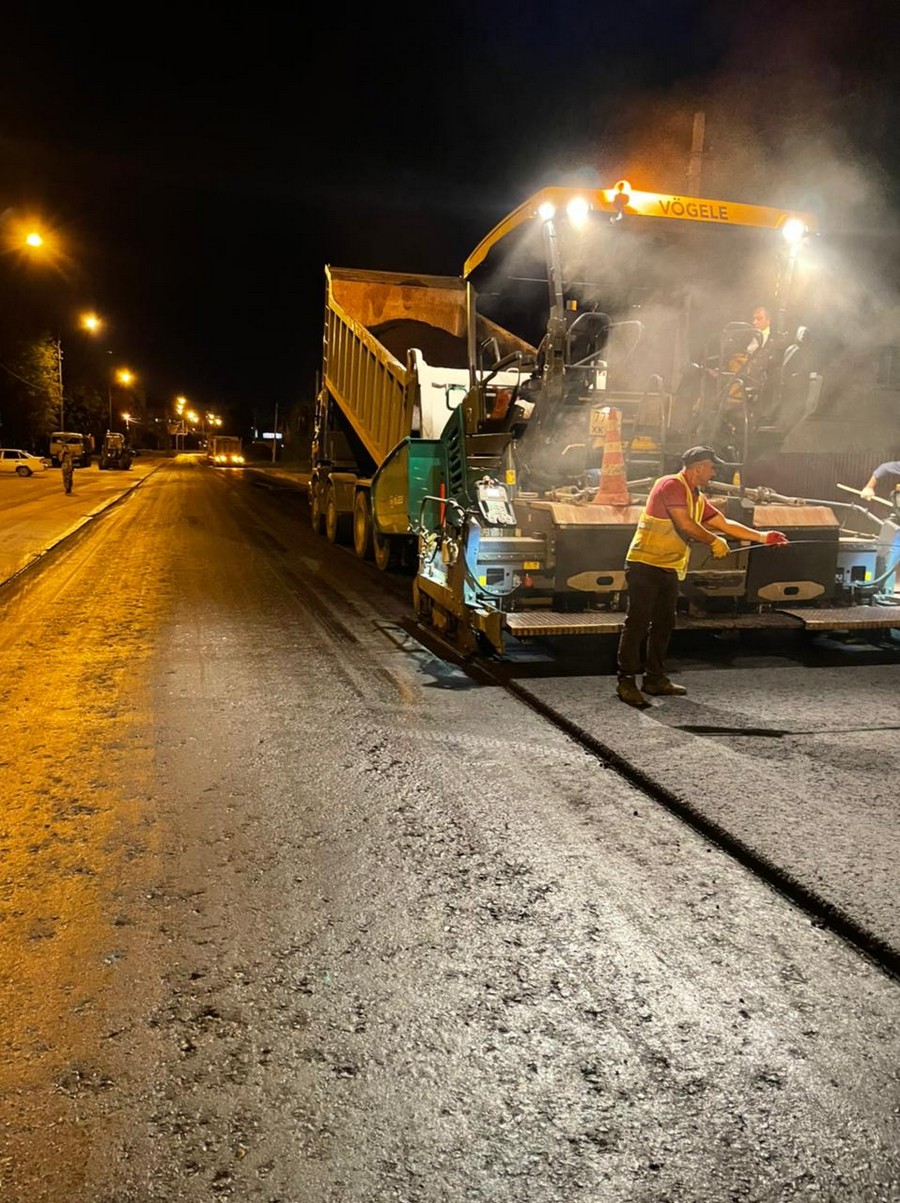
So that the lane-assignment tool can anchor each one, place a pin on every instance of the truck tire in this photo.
(337, 525)
(316, 516)
(362, 525)
(384, 548)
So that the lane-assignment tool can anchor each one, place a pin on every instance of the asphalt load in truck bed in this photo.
(439, 346)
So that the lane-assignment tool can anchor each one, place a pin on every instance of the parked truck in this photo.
(81, 446)
(115, 452)
(396, 363)
(225, 451)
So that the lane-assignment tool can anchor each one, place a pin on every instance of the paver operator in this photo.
(676, 514)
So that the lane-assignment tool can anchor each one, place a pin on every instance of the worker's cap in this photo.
(696, 455)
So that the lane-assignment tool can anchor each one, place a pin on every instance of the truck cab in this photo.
(81, 446)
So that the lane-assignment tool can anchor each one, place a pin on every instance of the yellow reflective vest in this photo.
(656, 540)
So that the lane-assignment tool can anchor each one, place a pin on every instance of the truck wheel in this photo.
(362, 525)
(315, 508)
(384, 548)
(336, 524)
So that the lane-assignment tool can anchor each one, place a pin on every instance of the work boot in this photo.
(663, 687)
(629, 692)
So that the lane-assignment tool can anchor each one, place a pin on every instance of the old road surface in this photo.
(293, 910)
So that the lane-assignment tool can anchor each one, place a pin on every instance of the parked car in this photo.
(23, 463)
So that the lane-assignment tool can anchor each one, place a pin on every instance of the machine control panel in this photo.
(494, 504)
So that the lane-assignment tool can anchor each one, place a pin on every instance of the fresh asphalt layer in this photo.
(795, 771)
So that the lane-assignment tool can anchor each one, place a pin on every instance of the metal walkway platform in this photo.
(546, 623)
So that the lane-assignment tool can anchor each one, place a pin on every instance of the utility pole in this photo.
(694, 173)
(59, 358)
(695, 166)
(275, 433)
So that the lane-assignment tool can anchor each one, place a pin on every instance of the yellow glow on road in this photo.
(75, 826)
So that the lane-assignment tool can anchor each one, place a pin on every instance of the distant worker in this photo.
(676, 515)
(67, 463)
(890, 468)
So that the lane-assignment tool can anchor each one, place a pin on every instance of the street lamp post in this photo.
(124, 377)
(87, 321)
(180, 403)
(21, 235)
(93, 324)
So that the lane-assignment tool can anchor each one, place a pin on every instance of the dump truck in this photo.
(225, 451)
(81, 446)
(396, 363)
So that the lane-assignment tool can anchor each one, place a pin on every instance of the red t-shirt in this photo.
(670, 493)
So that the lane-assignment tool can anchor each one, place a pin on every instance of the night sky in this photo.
(203, 168)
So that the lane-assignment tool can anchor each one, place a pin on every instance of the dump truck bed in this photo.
(393, 341)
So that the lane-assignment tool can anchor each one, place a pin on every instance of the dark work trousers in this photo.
(652, 598)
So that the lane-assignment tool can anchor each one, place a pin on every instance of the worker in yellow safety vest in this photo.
(676, 514)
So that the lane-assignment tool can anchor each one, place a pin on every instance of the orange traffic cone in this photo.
(613, 488)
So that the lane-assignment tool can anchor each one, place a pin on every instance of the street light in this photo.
(87, 321)
(125, 377)
(34, 239)
(179, 429)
